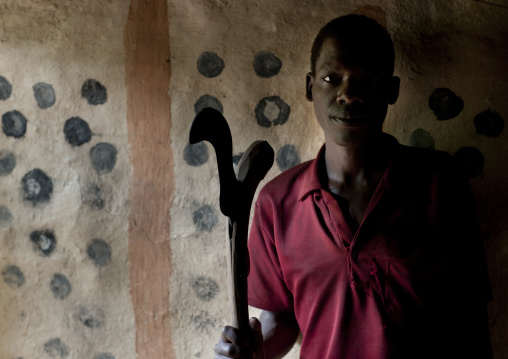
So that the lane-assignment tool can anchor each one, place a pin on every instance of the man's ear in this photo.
(394, 90)
(309, 79)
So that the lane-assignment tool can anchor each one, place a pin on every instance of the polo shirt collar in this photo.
(315, 176)
(311, 178)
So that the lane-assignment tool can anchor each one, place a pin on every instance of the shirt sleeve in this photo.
(471, 281)
(266, 287)
(467, 223)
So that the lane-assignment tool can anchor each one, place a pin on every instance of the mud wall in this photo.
(65, 172)
(113, 244)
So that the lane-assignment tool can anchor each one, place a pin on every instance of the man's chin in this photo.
(356, 136)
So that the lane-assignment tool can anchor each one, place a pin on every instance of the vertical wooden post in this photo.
(151, 189)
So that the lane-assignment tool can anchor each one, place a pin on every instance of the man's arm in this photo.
(271, 337)
(280, 331)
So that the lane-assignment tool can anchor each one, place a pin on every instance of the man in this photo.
(372, 250)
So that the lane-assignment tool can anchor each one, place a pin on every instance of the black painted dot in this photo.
(203, 321)
(5, 88)
(205, 218)
(55, 348)
(13, 276)
(43, 241)
(103, 157)
(207, 101)
(5, 216)
(44, 95)
(99, 252)
(205, 288)
(92, 318)
(489, 123)
(94, 92)
(37, 186)
(422, 139)
(272, 111)
(92, 196)
(104, 356)
(210, 64)
(287, 157)
(266, 64)
(470, 161)
(14, 124)
(7, 162)
(77, 131)
(196, 154)
(445, 104)
(60, 286)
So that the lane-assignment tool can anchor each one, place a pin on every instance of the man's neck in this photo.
(351, 166)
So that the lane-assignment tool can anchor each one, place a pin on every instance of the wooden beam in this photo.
(151, 189)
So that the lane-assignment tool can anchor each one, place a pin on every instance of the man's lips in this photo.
(349, 118)
(350, 115)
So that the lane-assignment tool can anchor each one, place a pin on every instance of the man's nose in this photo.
(349, 92)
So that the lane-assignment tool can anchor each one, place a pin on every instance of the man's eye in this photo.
(331, 79)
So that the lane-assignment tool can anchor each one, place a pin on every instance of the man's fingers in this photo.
(233, 335)
(229, 350)
(255, 324)
(234, 344)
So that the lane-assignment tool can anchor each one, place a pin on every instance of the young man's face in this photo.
(351, 93)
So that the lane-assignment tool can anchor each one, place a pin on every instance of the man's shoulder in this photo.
(426, 159)
(419, 168)
(287, 183)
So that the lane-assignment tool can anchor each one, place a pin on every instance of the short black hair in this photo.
(359, 33)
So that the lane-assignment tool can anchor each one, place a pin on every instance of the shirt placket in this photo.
(352, 242)
(359, 241)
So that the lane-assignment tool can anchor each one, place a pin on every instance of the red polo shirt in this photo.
(410, 283)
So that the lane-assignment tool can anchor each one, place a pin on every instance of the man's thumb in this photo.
(255, 324)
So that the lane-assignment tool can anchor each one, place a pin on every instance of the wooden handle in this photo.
(209, 125)
(252, 168)
(238, 262)
(236, 195)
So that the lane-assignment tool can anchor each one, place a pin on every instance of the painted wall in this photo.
(64, 181)
(113, 245)
(451, 57)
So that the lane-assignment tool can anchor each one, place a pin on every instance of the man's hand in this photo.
(236, 344)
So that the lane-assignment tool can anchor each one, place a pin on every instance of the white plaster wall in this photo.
(459, 45)
(64, 43)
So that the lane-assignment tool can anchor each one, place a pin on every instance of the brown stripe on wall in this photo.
(152, 185)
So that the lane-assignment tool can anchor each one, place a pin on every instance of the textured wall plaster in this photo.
(64, 290)
(459, 47)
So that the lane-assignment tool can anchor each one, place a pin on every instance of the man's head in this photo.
(351, 81)
(360, 35)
